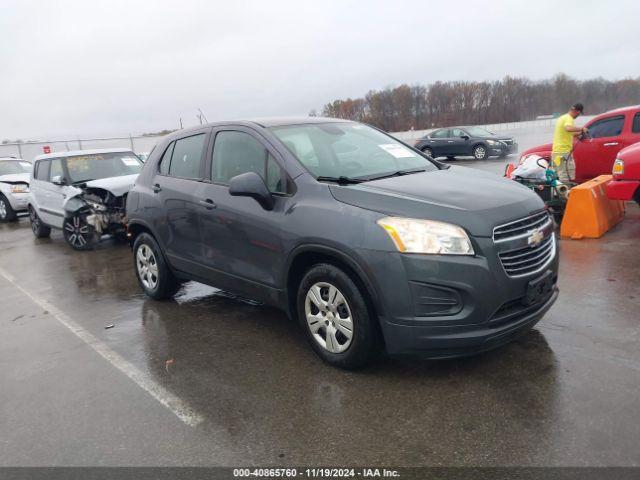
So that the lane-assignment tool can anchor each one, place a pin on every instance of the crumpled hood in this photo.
(116, 185)
(475, 200)
(15, 178)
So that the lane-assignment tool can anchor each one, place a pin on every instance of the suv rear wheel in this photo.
(7, 213)
(154, 276)
(39, 229)
(335, 317)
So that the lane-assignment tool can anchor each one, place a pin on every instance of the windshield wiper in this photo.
(398, 173)
(340, 180)
(78, 182)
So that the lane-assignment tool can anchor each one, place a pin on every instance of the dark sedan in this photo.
(465, 141)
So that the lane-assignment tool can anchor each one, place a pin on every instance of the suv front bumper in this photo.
(19, 201)
(446, 306)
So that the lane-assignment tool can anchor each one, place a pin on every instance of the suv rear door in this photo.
(50, 197)
(176, 186)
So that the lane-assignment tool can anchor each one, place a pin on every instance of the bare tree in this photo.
(465, 102)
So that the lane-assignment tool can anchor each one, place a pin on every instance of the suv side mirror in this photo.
(59, 180)
(464, 136)
(252, 185)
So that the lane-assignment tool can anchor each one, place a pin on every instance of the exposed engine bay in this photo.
(100, 208)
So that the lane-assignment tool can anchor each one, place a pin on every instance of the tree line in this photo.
(442, 104)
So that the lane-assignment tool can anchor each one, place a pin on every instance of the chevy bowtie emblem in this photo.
(535, 238)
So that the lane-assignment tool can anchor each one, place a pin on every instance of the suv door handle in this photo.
(157, 188)
(208, 204)
(610, 144)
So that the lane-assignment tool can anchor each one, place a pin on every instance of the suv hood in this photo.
(15, 178)
(475, 200)
(116, 185)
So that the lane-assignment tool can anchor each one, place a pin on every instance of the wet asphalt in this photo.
(566, 393)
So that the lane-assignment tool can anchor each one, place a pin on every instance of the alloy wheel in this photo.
(147, 267)
(78, 232)
(3, 209)
(480, 153)
(329, 317)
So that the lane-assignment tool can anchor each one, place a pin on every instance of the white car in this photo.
(14, 187)
(83, 193)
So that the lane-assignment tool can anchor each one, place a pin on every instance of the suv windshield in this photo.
(349, 150)
(479, 132)
(11, 167)
(83, 168)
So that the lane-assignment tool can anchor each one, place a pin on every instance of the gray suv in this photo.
(364, 240)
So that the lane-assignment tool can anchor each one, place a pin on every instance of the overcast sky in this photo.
(70, 68)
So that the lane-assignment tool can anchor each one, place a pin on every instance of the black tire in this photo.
(7, 214)
(39, 229)
(364, 343)
(428, 151)
(480, 152)
(166, 285)
(78, 233)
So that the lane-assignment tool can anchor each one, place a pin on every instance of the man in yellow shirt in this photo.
(563, 134)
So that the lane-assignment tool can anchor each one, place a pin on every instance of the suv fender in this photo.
(327, 254)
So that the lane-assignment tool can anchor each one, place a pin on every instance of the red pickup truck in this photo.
(610, 132)
(626, 175)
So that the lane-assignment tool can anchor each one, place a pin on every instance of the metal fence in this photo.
(30, 150)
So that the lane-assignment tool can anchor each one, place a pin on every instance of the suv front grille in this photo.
(528, 260)
(521, 227)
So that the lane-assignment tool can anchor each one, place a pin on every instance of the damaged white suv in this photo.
(14, 187)
(83, 193)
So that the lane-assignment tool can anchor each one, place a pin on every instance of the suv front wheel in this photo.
(78, 233)
(6, 212)
(335, 317)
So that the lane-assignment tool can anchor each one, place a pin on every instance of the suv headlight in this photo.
(618, 166)
(493, 142)
(20, 188)
(426, 236)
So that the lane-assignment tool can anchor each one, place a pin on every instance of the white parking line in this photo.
(162, 395)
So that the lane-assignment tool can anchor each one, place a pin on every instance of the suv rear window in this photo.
(186, 157)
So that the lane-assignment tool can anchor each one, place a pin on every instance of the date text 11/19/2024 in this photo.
(315, 473)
